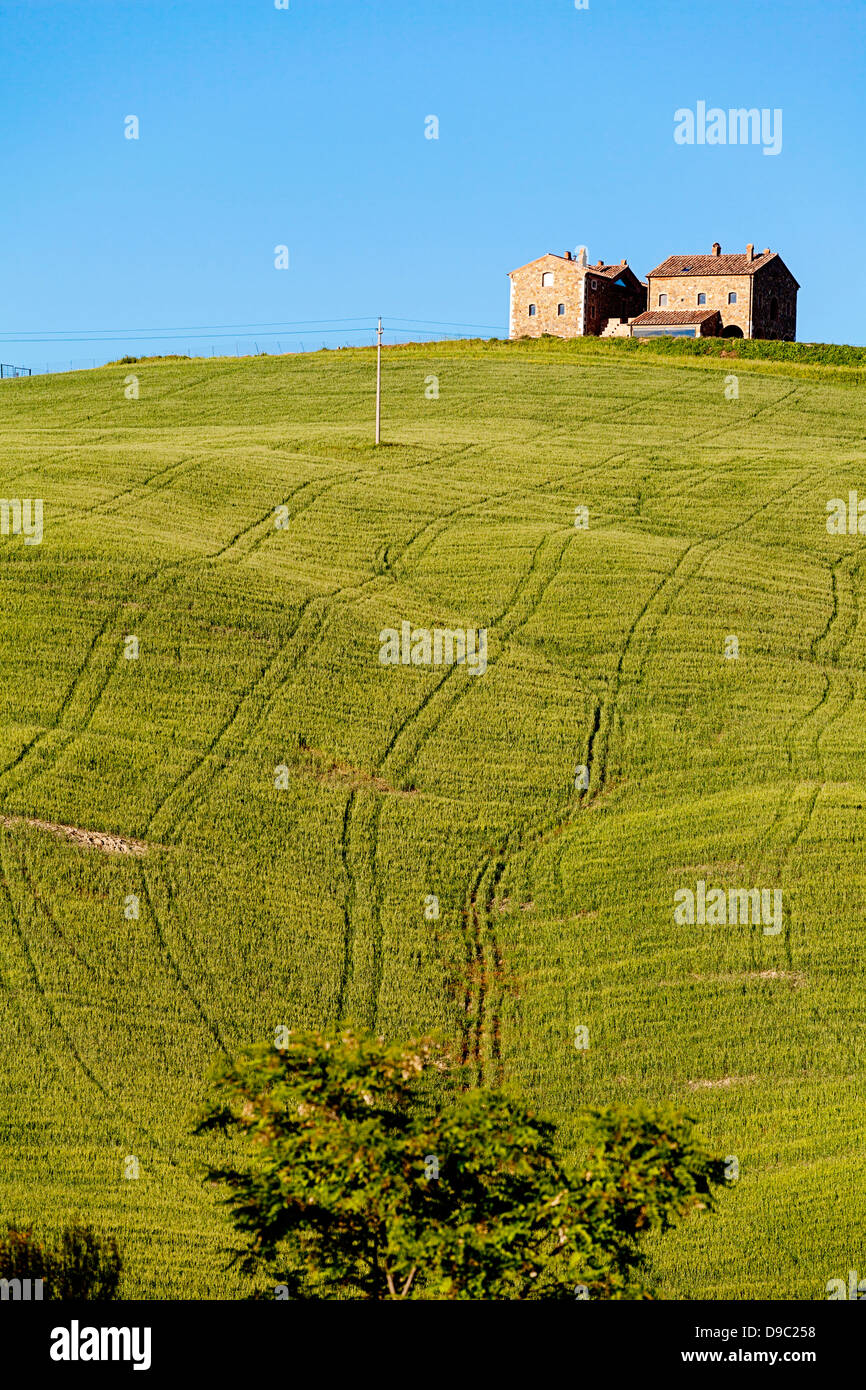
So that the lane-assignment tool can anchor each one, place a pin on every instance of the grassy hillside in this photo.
(259, 648)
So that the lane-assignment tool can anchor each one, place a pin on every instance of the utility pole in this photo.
(379, 385)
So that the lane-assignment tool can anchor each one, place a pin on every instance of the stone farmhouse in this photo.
(565, 296)
(738, 295)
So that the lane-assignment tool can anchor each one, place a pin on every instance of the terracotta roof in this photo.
(737, 264)
(676, 316)
(609, 270)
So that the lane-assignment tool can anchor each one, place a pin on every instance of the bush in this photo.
(81, 1265)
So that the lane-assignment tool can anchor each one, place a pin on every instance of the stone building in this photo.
(739, 295)
(564, 296)
(753, 296)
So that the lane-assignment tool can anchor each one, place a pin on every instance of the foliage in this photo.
(360, 1186)
(81, 1265)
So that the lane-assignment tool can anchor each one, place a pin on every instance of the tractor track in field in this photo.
(101, 655)
(254, 705)
(173, 966)
(164, 476)
(191, 787)
(414, 731)
(79, 719)
(55, 1023)
(158, 399)
(601, 736)
(425, 536)
(554, 825)
(650, 616)
(479, 929)
(263, 525)
(479, 907)
(50, 918)
(837, 634)
(270, 676)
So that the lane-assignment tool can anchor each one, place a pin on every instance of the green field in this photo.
(259, 648)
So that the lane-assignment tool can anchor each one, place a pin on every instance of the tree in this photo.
(359, 1183)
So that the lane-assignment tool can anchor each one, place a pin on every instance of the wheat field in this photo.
(280, 829)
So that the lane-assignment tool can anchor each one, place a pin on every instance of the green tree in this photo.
(359, 1183)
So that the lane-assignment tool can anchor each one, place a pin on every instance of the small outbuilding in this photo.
(674, 323)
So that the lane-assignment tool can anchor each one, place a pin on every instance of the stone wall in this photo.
(526, 289)
(683, 290)
(774, 281)
(588, 297)
(755, 293)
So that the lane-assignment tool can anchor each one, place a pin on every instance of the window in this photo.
(702, 299)
(532, 311)
(592, 312)
(663, 299)
(732, 297)
(594, 284)
(561, 310)
(547, 280)
(774, 309)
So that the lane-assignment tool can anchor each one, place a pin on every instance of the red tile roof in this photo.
(736, 264)
(676, 316)
(609, 270)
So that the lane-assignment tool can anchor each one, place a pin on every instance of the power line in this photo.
(197, 337)
(290, 329)
(440, 323)
(192, 328)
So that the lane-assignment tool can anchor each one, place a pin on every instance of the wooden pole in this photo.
(379, 385)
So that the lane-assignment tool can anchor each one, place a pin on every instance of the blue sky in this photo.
(305, 127)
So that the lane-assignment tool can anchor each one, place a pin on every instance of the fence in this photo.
(7, 370)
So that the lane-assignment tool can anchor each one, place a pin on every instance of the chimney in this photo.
(568, 255)
(623, 261)
(581, 256)
(750, 252)
(766, 250)
(717, 250)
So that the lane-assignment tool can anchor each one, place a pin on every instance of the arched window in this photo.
(702, 299)
(732, 297)
(532, 311)
(547, 280)
(774, 309)
(561, 310)
(663, 299)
